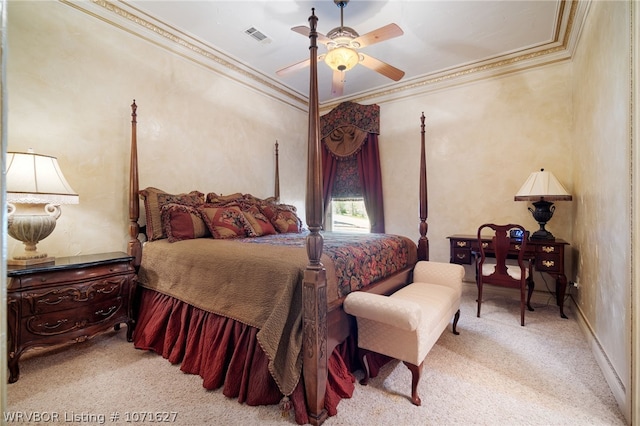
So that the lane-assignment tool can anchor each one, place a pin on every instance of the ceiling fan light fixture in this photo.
(342, 58)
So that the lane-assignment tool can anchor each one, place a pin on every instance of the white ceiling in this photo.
(439, 36)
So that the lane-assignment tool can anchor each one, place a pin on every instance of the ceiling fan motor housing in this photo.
(346, 32)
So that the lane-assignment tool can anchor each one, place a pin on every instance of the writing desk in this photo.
(547, 256)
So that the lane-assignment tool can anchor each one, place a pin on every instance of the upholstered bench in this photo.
(406, 324)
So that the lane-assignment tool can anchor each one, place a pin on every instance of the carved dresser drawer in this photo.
(67, 301)
(72, 295)
(58, 323)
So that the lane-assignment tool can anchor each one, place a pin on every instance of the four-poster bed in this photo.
(301, 346)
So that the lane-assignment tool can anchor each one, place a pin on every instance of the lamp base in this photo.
(542, 214)
(542, 234)
(28, 224)
(28, 261)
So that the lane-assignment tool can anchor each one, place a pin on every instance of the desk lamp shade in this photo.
(542, 188)
(35, 189)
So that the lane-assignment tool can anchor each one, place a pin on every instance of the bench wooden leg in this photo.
(415, 378)
(456, 317)
(365, 366)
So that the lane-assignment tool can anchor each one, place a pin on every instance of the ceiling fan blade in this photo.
(381, 34)
(294, 67)
(305, 32)
(381, 67)
(337, 83)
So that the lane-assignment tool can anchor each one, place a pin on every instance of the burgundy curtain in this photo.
(329, 166)
(371, 182)
(351, 120)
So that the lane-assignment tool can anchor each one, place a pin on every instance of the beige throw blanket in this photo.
(251, 283)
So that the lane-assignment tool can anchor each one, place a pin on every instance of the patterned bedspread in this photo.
(358, 259)
(261, 287)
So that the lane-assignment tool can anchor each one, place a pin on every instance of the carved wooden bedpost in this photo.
(276, 189)
(134, 248)
(314, 286)
(423, 242)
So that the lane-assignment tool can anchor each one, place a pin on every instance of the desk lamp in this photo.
(542, 188)
(35, 189)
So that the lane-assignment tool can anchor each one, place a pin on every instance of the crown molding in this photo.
(127, 18)
(571, 15)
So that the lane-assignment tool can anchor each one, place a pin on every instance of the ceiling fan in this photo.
(342, 51)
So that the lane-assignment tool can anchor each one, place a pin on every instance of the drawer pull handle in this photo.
(461, 243)
(485, 245)
(107, 290)
(517, 246)
(548, 249)
(50, 301)
(106, 312)
(54, 326)
(460, 256)
(548, 263)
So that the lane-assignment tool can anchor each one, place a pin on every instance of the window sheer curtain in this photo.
(351, 130)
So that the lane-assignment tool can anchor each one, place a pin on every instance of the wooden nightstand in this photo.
(67, 301)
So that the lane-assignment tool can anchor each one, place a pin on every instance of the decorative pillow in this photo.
(283, 217)
(258, 222)
(155, 198)
(225, 222)
(181, 222)
(250, 199)
(213, 198)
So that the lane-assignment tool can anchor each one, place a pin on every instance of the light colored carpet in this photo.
(494, 373)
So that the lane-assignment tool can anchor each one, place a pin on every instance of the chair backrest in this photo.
(504, 245)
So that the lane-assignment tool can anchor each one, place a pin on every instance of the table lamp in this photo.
(542, 188)
(35, 189)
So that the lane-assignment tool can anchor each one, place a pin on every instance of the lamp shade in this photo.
(342, 58)
(37, 179)
(542, 185)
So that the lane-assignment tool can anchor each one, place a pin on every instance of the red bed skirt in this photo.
(225, 353)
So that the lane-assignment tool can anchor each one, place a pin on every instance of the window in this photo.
(349, 215)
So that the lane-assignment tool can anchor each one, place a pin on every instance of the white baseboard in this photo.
(611, 376)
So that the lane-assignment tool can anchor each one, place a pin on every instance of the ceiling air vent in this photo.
(257, 35)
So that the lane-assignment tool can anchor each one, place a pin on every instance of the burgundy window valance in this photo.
(346, 128)
(364, 117)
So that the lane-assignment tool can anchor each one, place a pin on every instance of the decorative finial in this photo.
(134, 107)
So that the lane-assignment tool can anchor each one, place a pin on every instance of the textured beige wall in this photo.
(482, 142)
(602, 209)
(71, 79)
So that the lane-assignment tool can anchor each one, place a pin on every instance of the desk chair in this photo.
(504, 246)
